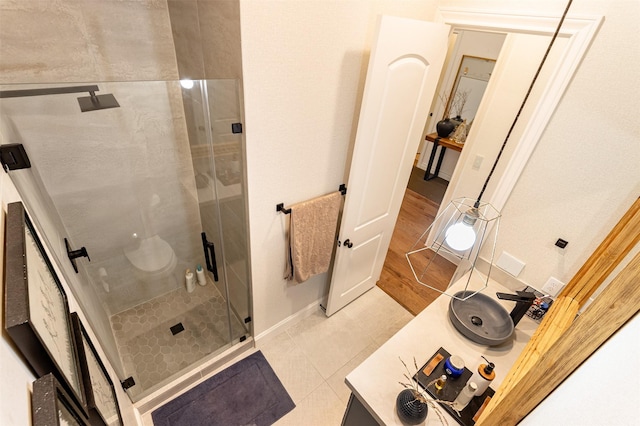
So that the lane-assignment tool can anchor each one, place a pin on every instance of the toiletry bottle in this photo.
(465, 396)
(188, 280)
(202, 280)
(483, 376)
(440, 382)
(454, 366)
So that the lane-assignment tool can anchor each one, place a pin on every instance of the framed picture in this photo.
(102, 403)
(51, 405)
(36, 310)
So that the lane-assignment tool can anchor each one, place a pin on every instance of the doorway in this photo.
(516, 69)
(460, 91)
(468, 69)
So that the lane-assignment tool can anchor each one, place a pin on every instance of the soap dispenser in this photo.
(483, 376)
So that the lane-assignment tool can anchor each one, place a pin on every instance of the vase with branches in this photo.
(453, 105)
(413, 388)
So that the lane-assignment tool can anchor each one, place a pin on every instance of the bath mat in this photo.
(246, 393)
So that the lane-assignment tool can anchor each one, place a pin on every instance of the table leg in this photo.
(442, 150)
(432, 156)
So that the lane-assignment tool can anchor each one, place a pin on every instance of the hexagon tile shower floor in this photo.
(149, 349)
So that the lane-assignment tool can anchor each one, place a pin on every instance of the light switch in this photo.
(477, 162)
(510, 264)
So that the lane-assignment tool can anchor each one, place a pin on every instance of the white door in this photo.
(404, 69)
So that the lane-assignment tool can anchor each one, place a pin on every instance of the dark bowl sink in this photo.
(480, 318)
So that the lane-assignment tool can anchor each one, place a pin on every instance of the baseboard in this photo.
(443, 175)
(290, 320)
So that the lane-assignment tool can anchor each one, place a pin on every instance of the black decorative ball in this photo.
(411, 411)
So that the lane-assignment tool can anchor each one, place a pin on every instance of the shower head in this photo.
(87, 103)
(94, 103)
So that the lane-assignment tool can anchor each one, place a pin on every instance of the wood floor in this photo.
(397, 280)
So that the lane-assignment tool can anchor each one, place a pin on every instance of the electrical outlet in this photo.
(552, 286)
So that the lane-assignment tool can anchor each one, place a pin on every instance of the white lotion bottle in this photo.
(465, 396)
(202, 279)
(188, 281)
(483, 376)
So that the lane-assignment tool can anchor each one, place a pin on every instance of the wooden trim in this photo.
(622, 238)
(616, 305)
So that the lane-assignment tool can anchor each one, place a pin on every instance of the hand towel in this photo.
(312, 235)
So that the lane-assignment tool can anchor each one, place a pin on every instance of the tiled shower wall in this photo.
(57, 41)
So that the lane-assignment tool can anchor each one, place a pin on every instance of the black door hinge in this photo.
(14, 157)
(247, 320)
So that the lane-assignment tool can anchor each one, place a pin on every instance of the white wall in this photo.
(584, 173)
(303, 65)
(595, 394)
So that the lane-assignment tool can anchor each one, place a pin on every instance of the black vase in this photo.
(445, 127)
(411, 410)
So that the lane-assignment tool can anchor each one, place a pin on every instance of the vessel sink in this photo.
(480, 318)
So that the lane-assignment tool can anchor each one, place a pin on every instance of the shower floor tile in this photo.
(148, 347)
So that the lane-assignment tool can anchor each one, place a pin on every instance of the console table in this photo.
(444, 143)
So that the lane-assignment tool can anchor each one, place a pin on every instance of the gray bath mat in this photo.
(246, 393)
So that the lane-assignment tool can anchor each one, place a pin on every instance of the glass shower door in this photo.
(138, 185)
(214, 120)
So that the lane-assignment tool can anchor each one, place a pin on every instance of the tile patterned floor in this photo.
(313, 357)
(151, 353)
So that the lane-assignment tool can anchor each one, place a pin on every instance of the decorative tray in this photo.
(470, 414)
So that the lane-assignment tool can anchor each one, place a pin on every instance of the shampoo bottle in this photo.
(202, 280)
(483, 376)
(188, 281)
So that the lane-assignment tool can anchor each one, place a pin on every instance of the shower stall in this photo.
(130, 196)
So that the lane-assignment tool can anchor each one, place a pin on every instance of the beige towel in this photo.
(312, 235)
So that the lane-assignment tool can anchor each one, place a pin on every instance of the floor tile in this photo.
(331, 343)
(293, 368)
(321, 408)
(312, 357)
(336, 381)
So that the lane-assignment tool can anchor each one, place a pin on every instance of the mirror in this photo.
(468, 88)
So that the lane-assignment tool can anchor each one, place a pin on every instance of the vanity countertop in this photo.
(375, 382)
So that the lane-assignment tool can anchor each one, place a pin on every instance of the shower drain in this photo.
(177, 328)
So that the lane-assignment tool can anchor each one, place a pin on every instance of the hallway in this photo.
(397, 280)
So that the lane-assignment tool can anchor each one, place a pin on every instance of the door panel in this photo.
(361, 270)
(404, 69)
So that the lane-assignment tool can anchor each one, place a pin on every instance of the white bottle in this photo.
(202, 279)
(188, 280)
(483, 376)
(465, 396)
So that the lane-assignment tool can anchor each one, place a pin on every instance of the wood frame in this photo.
(36, 308)
(102, 402)
(50, 403)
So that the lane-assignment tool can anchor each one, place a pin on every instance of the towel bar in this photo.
(280, 207)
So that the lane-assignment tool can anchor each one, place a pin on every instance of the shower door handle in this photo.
(210, 256)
